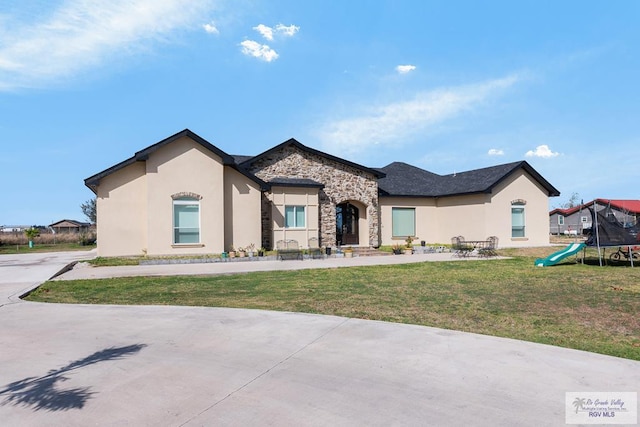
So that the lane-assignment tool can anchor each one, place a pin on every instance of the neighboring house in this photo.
(70, 226)
(183, 195)
(574, 221)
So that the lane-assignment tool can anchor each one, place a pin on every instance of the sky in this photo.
(447, 86)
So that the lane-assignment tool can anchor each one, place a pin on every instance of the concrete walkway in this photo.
(85, 271)
(77, 365)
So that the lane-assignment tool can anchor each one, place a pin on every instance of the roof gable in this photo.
(70, 223)
(93, 181)
(294, 143)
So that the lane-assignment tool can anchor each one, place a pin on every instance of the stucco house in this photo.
(184, 195)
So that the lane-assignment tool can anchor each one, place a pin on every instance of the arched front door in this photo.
(347, 217)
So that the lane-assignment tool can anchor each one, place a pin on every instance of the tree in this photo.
(89, 210)
(31, 233)
(573, 201)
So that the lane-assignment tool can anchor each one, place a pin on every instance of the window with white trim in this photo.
(560, 220)
(403, 222)
(295, 217)
(186, 221)
(517, 220)
(584, 219)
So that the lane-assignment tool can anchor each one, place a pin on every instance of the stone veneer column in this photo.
(342, 183)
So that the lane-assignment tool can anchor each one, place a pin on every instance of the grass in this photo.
(570, 305)
(43, 247)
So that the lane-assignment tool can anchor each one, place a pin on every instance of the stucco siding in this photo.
(242, 225)
(425, 219)
(122, 212)
(519, 187)
(292, 196)
(462, 216)
(184, 167)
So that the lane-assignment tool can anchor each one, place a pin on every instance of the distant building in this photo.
(13, 228)
(70, 226)
(573, 221)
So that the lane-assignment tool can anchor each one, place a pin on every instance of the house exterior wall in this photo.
(297, 196)
(122, 209)
(135, 204)
(425, 215)
(342, 183)
(184, 167)
(573, 223)
(475, 216)
(519, 186)
(242, 201)
(463, 216)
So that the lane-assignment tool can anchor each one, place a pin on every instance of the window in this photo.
(294, 217)
(403, 222)
(560, 220)
(584, 219)
(517, 220)
(186, 220)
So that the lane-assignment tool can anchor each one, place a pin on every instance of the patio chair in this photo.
(314, 248)
(490, 248)
(459, 248)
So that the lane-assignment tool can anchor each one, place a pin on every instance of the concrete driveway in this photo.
(77, 365)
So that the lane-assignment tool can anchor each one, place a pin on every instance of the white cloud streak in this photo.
(268, 32)
(211, 28)
(257, 50)
(495, 152)
(542, 151)
(265, 31)
(289, 31)
(404, 69)
(80, 35)
(389, 124)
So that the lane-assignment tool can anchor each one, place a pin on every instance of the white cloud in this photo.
(390, 123)
(287, 30)
(79, 35)
(211, 28)
(257, 50)
(404, 69)
(495, 152)
(541, 151)
(266, 32)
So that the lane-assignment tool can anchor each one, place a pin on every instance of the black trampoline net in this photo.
(607, 230)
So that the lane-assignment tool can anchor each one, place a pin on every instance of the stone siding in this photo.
(342, 183)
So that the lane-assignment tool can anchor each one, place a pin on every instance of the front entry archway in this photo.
(347, 227)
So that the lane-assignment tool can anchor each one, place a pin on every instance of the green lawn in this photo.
(570, 305)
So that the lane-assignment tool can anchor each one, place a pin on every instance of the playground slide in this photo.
(556, 257)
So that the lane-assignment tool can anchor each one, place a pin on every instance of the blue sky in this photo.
(444, 85)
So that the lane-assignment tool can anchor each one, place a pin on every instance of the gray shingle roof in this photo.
(410, 181)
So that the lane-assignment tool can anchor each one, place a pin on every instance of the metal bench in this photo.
(288, 250)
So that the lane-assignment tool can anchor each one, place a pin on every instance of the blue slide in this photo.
(556, 257)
